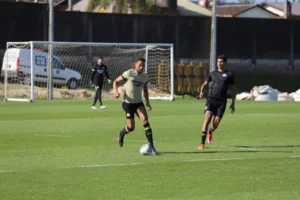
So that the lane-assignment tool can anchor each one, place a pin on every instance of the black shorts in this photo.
(216, 107)
(131, 108)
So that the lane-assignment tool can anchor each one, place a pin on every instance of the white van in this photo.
(17, 63)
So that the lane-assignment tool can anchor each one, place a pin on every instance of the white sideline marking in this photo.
(142, 141)
(245, 148)
(272, 114)
(47, 120)
(214, 159)
(109, 165)
(47, 135)
(136, 141)
(72, 119)
(5, 171)
(294, 156)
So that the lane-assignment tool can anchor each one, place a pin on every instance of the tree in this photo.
(138, 6)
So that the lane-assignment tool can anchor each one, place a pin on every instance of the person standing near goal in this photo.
(97, 80)
(135, 86)
(219, 82)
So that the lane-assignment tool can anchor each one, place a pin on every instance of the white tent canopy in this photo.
(267, 93)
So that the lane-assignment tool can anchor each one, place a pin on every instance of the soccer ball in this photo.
(146, 149)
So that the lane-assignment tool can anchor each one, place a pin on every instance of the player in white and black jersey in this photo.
(135, 86)
(218, 83)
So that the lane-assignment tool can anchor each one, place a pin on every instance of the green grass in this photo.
(64, 150)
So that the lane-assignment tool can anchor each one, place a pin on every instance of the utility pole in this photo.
(50, 50)
(70, 5)
(213, 38)
(286, 9)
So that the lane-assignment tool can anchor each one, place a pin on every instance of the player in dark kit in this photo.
(97, 79)
(219, 82)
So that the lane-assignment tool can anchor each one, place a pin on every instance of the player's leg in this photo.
(142, 114)
(100, 96)
(216, 121)
(130, 123)
(95, 98)
(210, 111)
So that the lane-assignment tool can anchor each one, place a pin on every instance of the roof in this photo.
(185, 7)
(232, 10)
(280, 6)
(259, 7)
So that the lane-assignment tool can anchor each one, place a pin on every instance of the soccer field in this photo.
(64, 150)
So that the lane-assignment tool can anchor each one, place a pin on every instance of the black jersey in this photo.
(98, 74)
(219, 83)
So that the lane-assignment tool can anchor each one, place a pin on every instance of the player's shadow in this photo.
(233, 151)
(272, 146)
(240, 149)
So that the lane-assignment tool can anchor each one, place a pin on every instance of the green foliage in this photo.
(94, 3)
(138, 6)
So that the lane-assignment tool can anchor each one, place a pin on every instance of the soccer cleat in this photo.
(102, 107)
(93, 107)
(155, 153)
(121, 140)
(201, 146)
(209, 138)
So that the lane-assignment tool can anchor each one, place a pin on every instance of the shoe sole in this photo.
(209, 141)
(155, 154)
(120, 142)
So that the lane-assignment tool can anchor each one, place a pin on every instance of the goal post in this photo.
(26, 68)
(10, 70)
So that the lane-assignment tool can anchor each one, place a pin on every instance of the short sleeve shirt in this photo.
(134, 86)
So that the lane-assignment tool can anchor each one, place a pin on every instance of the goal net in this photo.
(55, 70)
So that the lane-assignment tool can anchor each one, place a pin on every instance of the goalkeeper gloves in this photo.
(91, 83)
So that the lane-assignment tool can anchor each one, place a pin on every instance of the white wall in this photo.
(256, 13)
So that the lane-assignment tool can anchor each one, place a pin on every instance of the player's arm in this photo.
(116, 85)
(146, 96)
(209, 78)
(93, 75)
(233, 92)
(107, 75)
(201, 89)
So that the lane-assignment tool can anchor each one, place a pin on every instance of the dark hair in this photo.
(100, 57)
(223, 57)
(141, 59)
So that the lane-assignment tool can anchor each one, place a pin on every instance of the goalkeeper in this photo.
(97, 78)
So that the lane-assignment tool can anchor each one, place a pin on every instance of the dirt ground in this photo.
(23, 91)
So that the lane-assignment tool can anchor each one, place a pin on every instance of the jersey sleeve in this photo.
(93, 73)
(125, 75)
(106, 72)
(147, 79)
(209, 79)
